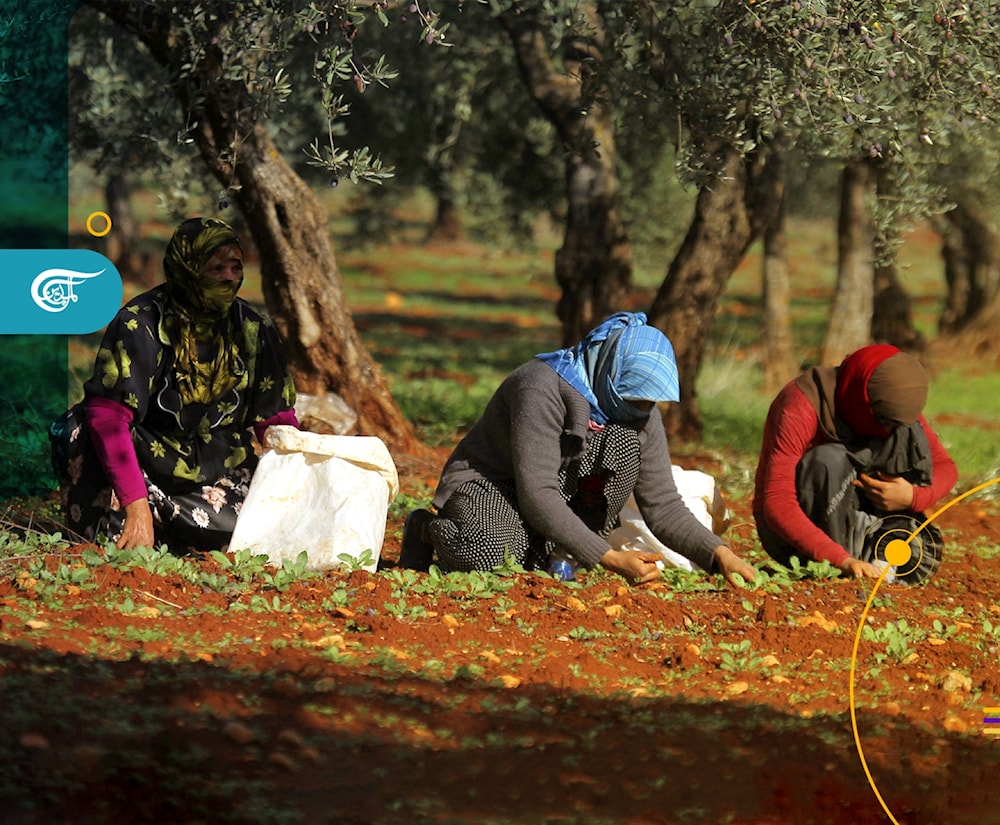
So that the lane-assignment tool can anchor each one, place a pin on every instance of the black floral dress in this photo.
(197, 458)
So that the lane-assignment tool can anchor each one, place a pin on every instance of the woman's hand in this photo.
(857, 569)
(636, 567)
(727, 563)
(887, 493)
(138, 528)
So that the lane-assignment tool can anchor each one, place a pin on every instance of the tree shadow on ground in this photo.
(92, 740)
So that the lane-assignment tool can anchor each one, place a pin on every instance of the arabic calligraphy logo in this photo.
(52, 290)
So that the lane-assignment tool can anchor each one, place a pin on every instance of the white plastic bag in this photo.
(327, 413)
(701, 497)
(326, 494)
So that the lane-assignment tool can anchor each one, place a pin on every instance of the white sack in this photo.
(702, 499)
(326, 494)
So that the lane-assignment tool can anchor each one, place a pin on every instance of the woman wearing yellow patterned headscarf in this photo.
(160, 449)
(196, 312)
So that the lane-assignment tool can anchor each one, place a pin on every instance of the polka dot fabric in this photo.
(480, 525)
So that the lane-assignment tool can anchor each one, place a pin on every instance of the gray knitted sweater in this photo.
(535, 424)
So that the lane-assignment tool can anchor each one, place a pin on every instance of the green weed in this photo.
(403, 611)
(991, 632)
(898, 637)
(737, 657)
(584, 634)
(363, 562)
(477, 584)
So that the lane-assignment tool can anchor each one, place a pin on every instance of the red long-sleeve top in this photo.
(792, 429)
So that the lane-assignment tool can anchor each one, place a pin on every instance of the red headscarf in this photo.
(879, 384)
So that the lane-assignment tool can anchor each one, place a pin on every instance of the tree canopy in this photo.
(897, 85)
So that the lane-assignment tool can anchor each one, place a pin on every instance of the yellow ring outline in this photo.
(90, 223)
(857, 641)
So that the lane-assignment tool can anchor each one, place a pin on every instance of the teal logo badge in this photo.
(57, 291)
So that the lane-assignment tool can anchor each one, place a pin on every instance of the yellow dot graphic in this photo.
(99, 233)
(898, 552)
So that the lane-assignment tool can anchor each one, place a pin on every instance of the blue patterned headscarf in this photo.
(622, 360)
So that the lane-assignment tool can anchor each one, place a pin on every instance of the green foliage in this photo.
(990, 635)
(291, 571)
(812, 570)
(248, 568)
(257, 53)
(32, 215)
(476, 584)
(13, 544)
(729, 391)
(951, 392)
(772, 577)
(454, 123)
(737, 657)
(404, 612)
(899, 639)
(32, 393)
(685, 581)
(244, 565)
(365, 561)
(157, 561)
(895, 83)
(40, 563)
(262, 604)
(584, 634)
(406, 502)
(465, 321)
(884, 80)
(942, 630)
(32, 93)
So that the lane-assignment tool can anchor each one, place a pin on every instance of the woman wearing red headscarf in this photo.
(844, 447)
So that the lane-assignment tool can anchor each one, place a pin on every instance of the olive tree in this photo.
(879, 86)
(225, 67)
(459, 124)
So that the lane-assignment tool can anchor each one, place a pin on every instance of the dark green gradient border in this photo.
(33, 215)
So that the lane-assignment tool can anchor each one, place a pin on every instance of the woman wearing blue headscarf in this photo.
(563, 443)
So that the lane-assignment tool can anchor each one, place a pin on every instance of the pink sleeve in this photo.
(791, 430)
(109, 422)
(943, 477)
(287, 417)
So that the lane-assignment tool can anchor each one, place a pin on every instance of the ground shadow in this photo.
(88, 740)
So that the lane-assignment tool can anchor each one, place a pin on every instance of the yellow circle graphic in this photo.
(897, 552)
(916, 550)
(107, 224)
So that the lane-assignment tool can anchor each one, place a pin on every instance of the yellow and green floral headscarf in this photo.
(197, 311)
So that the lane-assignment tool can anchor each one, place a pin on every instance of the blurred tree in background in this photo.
(595, 112)
(33, 373)
(226, 70)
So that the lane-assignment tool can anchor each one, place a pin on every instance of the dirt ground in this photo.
(376, 698)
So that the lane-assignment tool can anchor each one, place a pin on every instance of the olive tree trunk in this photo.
(302, 289)
(850, 324)
(730, 212)
(892, 311)
(300, 277)
(594, 265)
(971, 252)
(778, 362)
(892, 306)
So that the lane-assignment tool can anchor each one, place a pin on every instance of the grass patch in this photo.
(962, 409)
(447, 324)
(32, 393)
